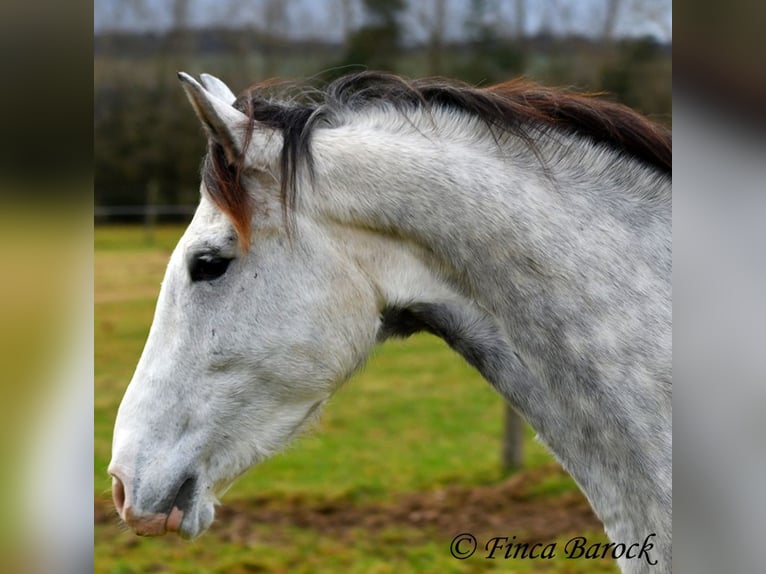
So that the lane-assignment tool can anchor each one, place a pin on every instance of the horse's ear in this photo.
(223, 123)
(217, 88)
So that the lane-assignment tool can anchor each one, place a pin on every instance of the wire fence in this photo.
(144, 214)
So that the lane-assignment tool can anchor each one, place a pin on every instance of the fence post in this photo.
(513, 440)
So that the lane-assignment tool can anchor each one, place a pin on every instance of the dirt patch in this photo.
(503, 509)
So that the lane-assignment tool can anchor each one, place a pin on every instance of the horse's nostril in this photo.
(118, 494)
(185, 494)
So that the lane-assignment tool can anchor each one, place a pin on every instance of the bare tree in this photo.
(610, 19)
(275, 25)
(557, 16)
(520, 17)
(548, 17)
(655, 12)
(138, 9)
(565, 15)
(179, 24)
(179, 12)
(432, 16)
(275, 16)
(245, 14)
(347, 11)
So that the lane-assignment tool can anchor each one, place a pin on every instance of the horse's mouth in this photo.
(194, 520)
(190, 514)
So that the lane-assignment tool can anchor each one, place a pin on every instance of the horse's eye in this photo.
(208, 267)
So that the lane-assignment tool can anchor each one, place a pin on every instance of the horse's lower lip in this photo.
(193, 520)
(173, 523)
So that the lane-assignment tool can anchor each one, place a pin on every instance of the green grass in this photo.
(416, 418)
(131, 238)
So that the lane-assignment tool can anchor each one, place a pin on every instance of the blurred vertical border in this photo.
(719, 209)
(46, 215)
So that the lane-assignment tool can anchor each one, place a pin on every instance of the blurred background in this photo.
(417, 448)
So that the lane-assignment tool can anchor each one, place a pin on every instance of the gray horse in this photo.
(529, 228)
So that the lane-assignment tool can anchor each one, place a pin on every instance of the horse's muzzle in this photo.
(156, 523)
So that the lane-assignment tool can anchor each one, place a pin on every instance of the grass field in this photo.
(406, 456)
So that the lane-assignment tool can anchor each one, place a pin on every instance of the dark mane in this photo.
(512, 106)
(223, 180)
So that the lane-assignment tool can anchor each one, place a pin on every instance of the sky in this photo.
(319, 18)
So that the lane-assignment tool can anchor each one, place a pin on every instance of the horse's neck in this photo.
(573, 314)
